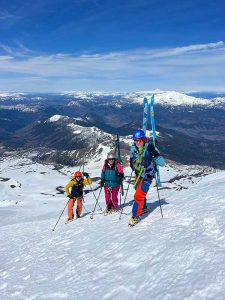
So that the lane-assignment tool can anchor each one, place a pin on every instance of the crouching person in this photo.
(111, 178)
(74, 190)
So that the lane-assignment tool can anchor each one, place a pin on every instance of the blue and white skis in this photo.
(145, 115)
(152, 116)
(148, 113)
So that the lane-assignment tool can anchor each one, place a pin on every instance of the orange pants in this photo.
(71, 205)
(140, 197)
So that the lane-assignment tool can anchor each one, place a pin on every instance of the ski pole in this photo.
(126, 195)
(60, 215)
(91, 217)
(95, 197)
(157, 185)
(85, 207)
(159, 199)
(120, 196)
(91, 187)
(110, 198)
(122, 190)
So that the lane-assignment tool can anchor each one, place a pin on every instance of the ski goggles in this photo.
(139, 140)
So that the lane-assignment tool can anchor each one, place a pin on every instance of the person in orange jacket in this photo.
(74, 190)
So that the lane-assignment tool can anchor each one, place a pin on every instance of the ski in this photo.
(145, 114)
(152, 116)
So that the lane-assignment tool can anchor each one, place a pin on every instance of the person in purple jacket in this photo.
(111, 179)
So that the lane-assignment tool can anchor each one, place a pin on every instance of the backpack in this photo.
(77, 189)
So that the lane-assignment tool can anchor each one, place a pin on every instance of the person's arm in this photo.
(153, 150)
(87, 180)
(159, 160)
(67, 188)
(102, 177)
(120, 172)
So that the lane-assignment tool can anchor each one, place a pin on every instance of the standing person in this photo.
(143, 159)
(76, 184)
(111, 178)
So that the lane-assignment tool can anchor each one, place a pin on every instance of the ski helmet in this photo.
(111, 155)
(77, 174)
(138, 134)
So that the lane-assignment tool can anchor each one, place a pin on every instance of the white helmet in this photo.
(111, 155)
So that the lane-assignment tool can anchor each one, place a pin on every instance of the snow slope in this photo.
(178, 257)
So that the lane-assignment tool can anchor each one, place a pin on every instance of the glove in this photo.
(69, 196)
(85, 174)
(102, 182)
(132, 164)
(121, 176)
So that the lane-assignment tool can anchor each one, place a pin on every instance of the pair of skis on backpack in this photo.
(150, 114)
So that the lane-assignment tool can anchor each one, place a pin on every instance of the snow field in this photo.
(178, 257)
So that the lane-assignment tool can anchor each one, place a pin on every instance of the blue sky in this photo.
(112, 45)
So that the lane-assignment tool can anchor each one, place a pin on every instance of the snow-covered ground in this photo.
(178, 257)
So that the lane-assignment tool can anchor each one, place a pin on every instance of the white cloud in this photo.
(177, 67)
(19, 51)
(5, 15)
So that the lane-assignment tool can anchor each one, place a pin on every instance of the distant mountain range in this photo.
(65, 128)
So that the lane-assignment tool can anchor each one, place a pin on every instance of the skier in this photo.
(77, 183)
(143, 159)
(111, 178)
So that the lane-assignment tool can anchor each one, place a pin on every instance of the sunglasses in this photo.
(139, 141)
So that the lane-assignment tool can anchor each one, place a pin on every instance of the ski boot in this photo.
(108, 210)
(113, 210)
(68, 220)
(145, 211)
(134, 220)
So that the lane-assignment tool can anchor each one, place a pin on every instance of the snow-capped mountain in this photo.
(191, 130)
(165, 98)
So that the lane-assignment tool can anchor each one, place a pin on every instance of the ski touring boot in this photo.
(108, 210)
(113, 210)
(77, 215)
(133, 221)
(68, 220)
(144, 211)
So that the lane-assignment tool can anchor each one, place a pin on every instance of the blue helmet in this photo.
(138, 134)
